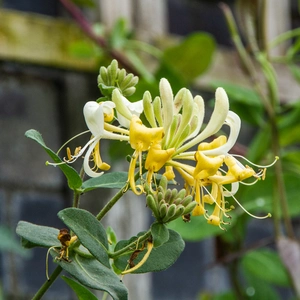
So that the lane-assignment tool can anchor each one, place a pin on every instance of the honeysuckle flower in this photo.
(141, 139)
(126, 109)
(96, 117)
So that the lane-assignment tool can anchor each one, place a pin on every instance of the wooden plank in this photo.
(39, 39)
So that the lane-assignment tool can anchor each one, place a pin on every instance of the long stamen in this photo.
(71, 139)
(241, 206)
(253, 164)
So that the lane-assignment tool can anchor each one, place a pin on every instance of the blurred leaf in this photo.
(289, 126)
(160, 234)
(160, 258)
(119, 34)
(114, 180)
(37, 236)
(289, 251)
(258, 197)
(258, 289)
(195, 230)
(74, 180)
(91, 273)
(140, 66)
(9, 243)
(191, 57)
(260, 144)
(268, 261)
(243, 101)
(89, 231)
(81, 292)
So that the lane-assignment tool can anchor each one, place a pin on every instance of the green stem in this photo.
(115, 199)
(140, 239)
(47, 284)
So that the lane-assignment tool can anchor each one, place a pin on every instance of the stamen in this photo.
(251, 215)
(253, 164)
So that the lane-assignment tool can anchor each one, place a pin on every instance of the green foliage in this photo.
(266, 265)
(81, 292)
(91, 273)
(74, 180)
(243, 101)
(191, 57)
(37, 236)
(89, 231)
(113, 180)
(160, 234)
(160, 258)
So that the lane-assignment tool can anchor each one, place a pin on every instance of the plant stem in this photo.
(100, 41)
(47, 284)
(115, 199)
(140, 239)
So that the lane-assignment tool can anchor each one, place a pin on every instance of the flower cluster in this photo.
(174, 140)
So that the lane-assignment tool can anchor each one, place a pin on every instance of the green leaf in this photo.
(89, 231)
(10, 243)
(81, 292)
(195, 230)
(114, 180)
(119, 34)
(260, 144)
(243, 101)
(91, 273)
(37, 236)
(268, 261)
(160, 234)
(258, 289)
(160, 258)
(191, 57)
(260, 195)
(74, 180)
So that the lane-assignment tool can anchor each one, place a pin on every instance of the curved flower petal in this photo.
(216, 120)
(94, 118)
(234, 122)
(87, 169)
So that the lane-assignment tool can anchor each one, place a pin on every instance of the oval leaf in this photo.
(91, 273)
(268, 261)
(81, 292)
(195, 54)
(114, 180)
(89, 231)
(160, 258)
(37, 236)
(74, 180)
(160, 234)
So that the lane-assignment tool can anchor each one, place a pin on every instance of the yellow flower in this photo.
(141, 139)
(96, 117)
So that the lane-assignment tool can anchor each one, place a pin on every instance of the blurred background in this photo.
(50, 54)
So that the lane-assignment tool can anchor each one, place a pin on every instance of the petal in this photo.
(234, 122)
(86, 165)
(166, 96)
(94, 118)
(216, 121)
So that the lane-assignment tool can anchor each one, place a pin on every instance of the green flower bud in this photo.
(152, 204)
(168, 195)
(163, 210)
(170, 213)
(179, 211)
(186, 200)
(163, 183)
(189, 208)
